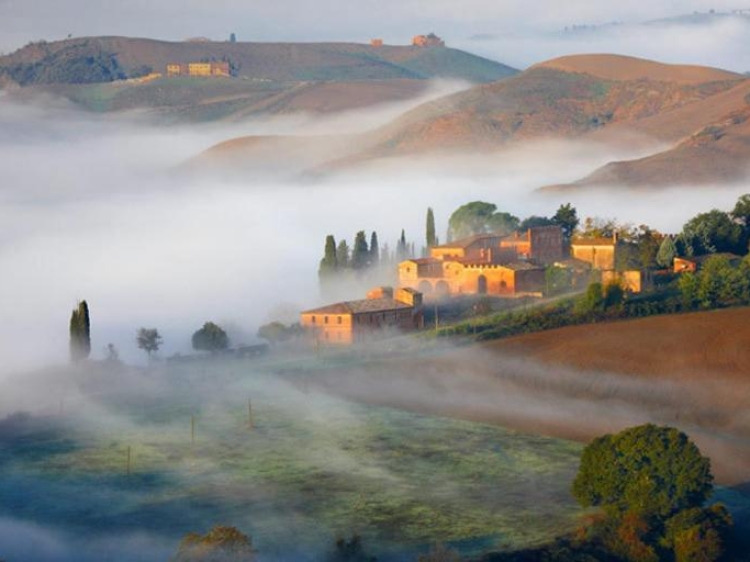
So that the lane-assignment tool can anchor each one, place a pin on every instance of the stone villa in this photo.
(355, 321)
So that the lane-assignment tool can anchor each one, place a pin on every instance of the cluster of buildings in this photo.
(429, 40)
(199, 69)
(485, 264)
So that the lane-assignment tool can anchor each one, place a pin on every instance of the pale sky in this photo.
(22, 21)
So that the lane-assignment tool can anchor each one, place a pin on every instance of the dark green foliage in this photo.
(148, 339)
(210, 337)
(329, 263)
(614, 295)
(698, 534)
(220, 544)
(374, 258)
(651, 471)
(360, 252)
(717, 284)
(667, 252)
(342, 255)
(430, 237)
(351, 550)
(479, 217)
(276, 332)
(567, 218)
(741, 211)
(535, 221)
(80, 63)
(712, 232)
(232, 38)
(402, 250)
(648, 243)
(80, 332)
(592, 300)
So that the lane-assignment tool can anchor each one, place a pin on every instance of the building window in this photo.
(325, 320)
(339, 319)
(313, 319)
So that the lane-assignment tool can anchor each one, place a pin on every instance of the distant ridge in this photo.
(69, 61)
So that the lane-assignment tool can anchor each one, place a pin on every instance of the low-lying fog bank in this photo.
(90, 210)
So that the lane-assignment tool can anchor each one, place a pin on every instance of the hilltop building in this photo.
(199, 69)
(376, 42)
(486, 264)
(602, 255)
(429, 40)
(345, 323)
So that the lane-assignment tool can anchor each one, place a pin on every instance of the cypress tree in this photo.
(430, 228)
(360, 252)
(80, 332)
(329, 263)
(667, 252)
(342, 255)
(401, 248)
(374, 249)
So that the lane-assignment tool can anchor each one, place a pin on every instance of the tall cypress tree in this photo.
(80, 332)
(329, 263)
(401, 247)
(342, 255)
(374, 249)
(360, 252)
(430, 229)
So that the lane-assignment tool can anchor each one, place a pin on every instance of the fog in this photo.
(90, 209)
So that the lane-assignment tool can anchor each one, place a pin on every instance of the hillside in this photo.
(102, 74)
(558, 99)
(46, 63)
(687, 370)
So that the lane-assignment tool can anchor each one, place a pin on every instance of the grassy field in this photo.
(312, 467)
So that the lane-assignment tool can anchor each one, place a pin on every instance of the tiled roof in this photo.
(468, 241)
(356, 307)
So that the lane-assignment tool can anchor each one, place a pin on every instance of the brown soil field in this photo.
(691, 371)
(618, 67)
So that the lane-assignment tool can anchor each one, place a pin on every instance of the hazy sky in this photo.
(357, 20)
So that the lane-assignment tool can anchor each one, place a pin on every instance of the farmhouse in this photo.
(601, 254)
(486, 264)
(429, 40)
(348, 322)
(199, 69)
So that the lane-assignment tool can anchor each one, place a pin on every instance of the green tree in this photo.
(342, 255)
(534, 221)
(614, 295)
(698, 534)
(149, 340)
(479, 217)
(667, 252)
(274, 332)
(430, 237)
(558, 280)
(80, 332)
(688, 287)
(712, 232)
(210, 337)
(329, 263)
(741, 211)
(220, 544)
(374, 250)
(360, 252)
(652, 471)
(592, 300)
(349, 550)
(232, 38)
(567, 218)
(402, 251)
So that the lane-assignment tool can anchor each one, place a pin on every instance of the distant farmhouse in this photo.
(429, 40)
(356, 321)
(486, 264)
(199, 69)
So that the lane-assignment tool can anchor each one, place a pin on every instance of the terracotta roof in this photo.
(360, 306)
(468, 241)
(592, 242)
(423, 261)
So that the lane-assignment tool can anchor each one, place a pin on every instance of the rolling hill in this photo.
(102, 74)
